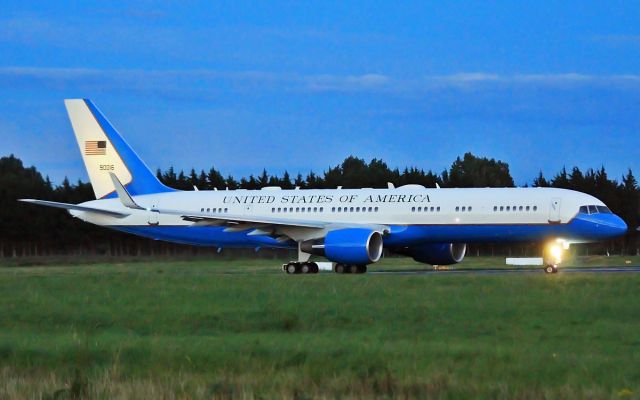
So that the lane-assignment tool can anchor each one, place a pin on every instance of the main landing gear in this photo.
(349, 269)
(551, 269)
(294, 267)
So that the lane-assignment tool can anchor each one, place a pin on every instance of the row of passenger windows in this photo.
(213, 210)
(297, 209)
(354, 209)
(425, 209)
(321, 209)
(515, 208)
(595, 209)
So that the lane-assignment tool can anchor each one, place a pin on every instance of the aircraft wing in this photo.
(76, 207)
(222, 219)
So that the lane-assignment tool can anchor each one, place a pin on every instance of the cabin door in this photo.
(554, 211)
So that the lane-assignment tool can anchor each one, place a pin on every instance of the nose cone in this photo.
(609, 225)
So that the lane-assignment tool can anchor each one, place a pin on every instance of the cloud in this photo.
(188, 80)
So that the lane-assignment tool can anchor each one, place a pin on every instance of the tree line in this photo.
(27, 230)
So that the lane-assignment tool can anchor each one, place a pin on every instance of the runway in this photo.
(634, 269)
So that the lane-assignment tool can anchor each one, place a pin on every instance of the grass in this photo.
(239, 329)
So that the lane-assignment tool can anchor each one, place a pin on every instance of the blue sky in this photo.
(301, 85)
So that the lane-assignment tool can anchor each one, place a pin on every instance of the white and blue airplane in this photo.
(348, 227)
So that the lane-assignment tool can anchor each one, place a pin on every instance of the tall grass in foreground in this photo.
(190, 330)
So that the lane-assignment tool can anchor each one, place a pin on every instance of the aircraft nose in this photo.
(620, 225)
(613, 224)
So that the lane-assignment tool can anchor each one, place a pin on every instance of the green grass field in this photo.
(193, 329)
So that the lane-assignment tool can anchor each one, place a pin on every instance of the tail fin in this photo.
(104, 151)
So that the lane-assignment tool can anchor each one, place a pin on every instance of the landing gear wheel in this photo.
(551, 269)
(314, 268)
(340, 268)
(305, 268)
(359, 269)
(291, 268)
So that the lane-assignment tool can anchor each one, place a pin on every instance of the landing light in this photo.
(555, 250)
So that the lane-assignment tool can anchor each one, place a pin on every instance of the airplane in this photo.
(349, 227)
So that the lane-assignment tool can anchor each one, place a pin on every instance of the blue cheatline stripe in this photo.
(143, 180)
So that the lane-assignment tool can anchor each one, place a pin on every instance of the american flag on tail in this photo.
(95, 147)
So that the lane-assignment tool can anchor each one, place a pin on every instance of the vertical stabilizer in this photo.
(104, 151)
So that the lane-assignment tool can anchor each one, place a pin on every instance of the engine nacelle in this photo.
(354, 246)
(438, 253)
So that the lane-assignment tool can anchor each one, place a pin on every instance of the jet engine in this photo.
(437, 253)
(352, 246)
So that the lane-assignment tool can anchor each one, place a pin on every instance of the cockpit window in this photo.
(592, 209)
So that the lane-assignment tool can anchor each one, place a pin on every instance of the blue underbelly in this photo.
(400, 235)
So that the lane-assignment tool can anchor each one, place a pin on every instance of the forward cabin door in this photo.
(554, 211)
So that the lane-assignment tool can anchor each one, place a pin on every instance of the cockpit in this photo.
(595, 210)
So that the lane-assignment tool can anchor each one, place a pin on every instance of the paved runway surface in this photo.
(499, 271)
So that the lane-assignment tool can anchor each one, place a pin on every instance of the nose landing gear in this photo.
(551, 269)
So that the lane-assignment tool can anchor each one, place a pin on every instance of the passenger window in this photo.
(469, 208)
(279, 209)
(351, 209)
(438, 209)
(413, 209)
(501, 208)
(357, 209)
(508, 208)
(290, 209)
(432, 209)
(284, 210)
(333, 209)
(527, 208)
(376, 209)
(202, 210)
(535, 208)
(370, 209)
(302, 209)
(321, 209)
(520, 208)
(273, 210)
(457, 208)
(208, 209)
(495, 208)
(226, 210)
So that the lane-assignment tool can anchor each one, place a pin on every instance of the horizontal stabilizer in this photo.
(76, 207)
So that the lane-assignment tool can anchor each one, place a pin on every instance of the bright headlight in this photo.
(556, 251)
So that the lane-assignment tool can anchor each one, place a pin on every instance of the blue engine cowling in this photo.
(355, 246)
(438, 253)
